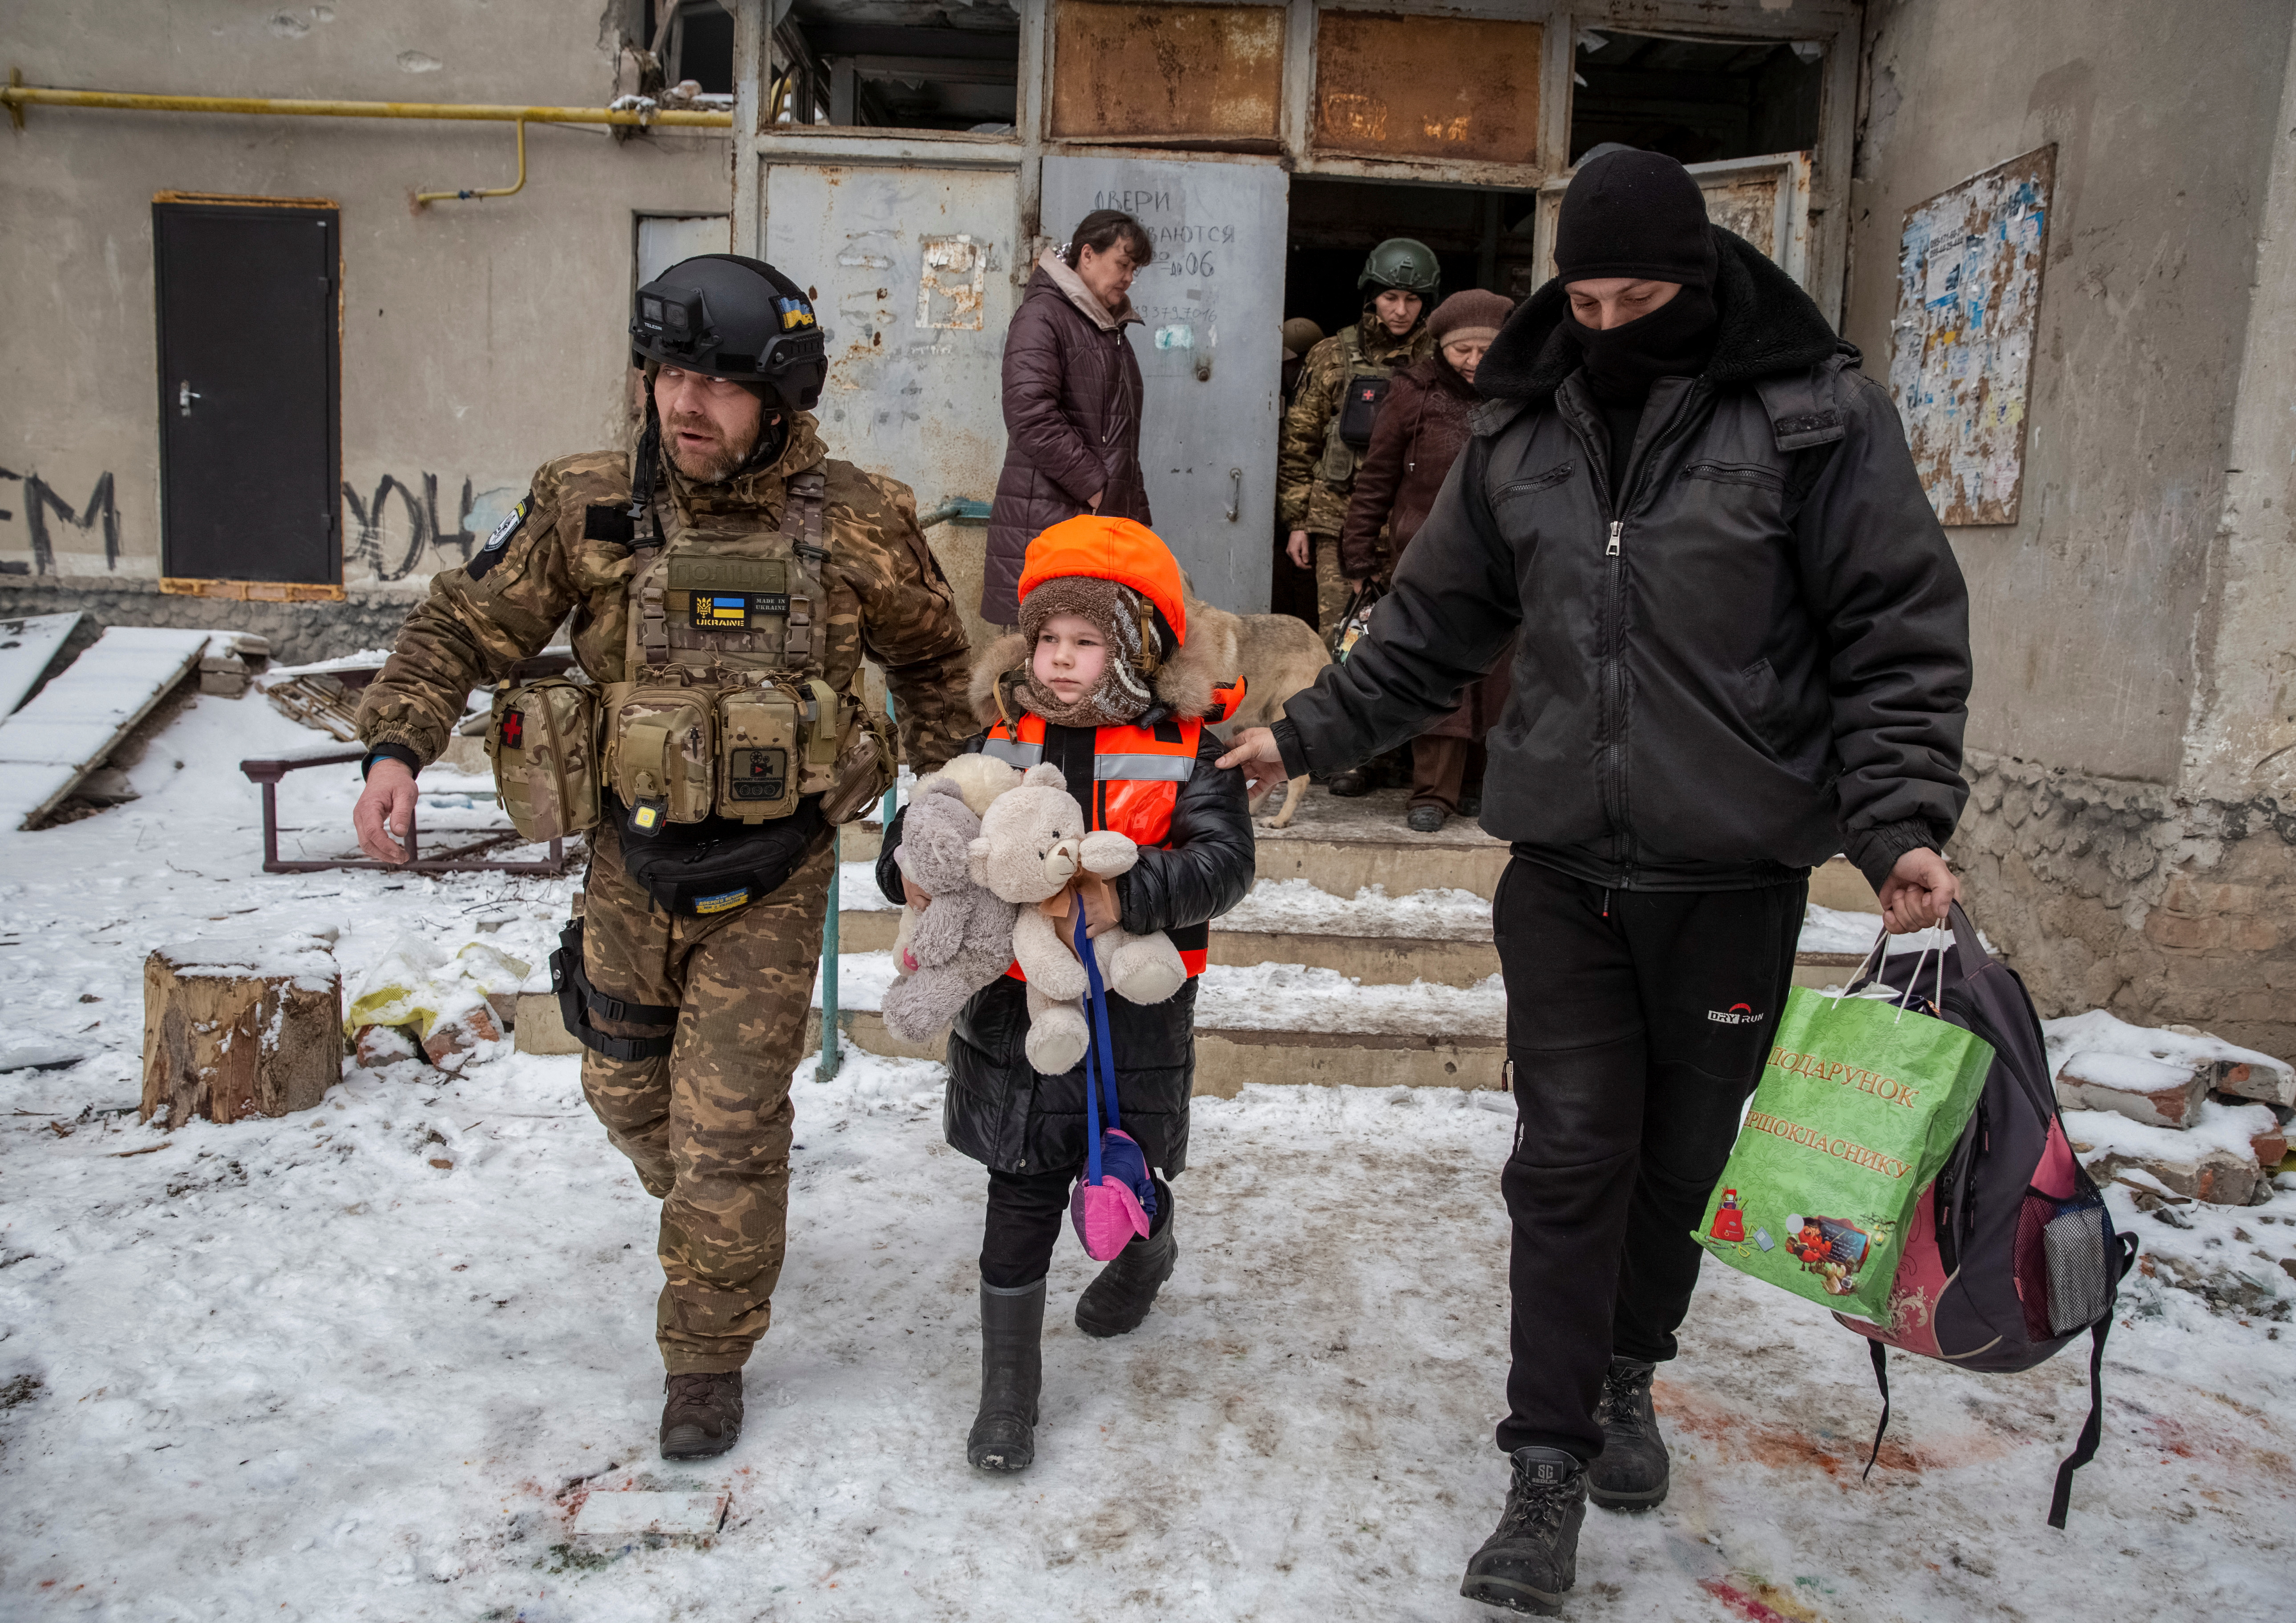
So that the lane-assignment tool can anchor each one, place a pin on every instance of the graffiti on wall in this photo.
(1969, 293)
(41, 504)
(396, 531)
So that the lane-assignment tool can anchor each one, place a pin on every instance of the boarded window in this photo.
(1198, 75)
(1427, 87)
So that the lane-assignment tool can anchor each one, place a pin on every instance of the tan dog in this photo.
(1277, 655)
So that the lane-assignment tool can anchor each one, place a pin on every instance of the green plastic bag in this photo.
(1859, 1106)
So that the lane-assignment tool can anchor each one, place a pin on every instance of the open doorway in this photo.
(1698, 100)
(1334, 223)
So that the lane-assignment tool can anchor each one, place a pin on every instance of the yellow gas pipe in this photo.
(17, 95)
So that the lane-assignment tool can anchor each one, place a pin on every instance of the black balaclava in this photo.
(1637, 214)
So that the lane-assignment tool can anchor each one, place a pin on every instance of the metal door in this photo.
(1210, 355)
(911, 271)
(249, 447)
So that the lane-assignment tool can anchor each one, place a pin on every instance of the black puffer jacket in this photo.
(1760, 658)
(999, 1110)
(1071, 387)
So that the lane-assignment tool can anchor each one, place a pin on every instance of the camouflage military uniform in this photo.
(1306, 498)
(708, 1125)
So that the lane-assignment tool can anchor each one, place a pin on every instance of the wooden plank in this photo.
(26, 647)
(78, 719)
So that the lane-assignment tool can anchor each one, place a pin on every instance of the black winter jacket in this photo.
(1760, 658)
(999, 1111)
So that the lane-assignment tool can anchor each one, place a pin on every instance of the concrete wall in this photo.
(2126, 840)
(479, 339)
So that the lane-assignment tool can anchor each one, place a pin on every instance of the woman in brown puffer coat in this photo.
(1072, 388)
(1422, 428)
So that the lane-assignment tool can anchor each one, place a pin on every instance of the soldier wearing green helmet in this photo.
(1330, 421)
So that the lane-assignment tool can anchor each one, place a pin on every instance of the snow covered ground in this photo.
(369, 1360)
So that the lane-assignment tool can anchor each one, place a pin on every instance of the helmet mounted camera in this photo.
(724, 316)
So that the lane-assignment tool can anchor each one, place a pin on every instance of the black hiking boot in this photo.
(1425, 819)
(1114, 1303)
(1631, 1473)
(1354, 781)
(1011, 1373)
(1532, 1559)
(701, 1416)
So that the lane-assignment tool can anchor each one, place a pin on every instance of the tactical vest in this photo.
(725, 711)
(1136, 773)
(1361, 395)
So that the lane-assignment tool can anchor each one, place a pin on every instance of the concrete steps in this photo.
(1341, 848)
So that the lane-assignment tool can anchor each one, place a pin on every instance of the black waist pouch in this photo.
(1359, 410)
(716, 866)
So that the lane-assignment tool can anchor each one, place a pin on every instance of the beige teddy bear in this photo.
(1032, 843)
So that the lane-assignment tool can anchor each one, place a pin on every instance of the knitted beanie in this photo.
(1118, 613)
(1630, 213)
(1470, 315)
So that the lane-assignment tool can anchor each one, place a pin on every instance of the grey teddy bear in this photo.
(962, 940)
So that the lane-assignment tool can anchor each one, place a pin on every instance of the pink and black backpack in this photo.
(2012, 1254)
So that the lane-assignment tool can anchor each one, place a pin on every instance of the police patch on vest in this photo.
(499, 537)
(736, 611)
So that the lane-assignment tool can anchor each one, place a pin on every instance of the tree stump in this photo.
(238, 1029)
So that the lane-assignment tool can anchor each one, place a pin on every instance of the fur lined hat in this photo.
(1119, 575)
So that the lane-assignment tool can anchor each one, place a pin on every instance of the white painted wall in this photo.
(479, 339)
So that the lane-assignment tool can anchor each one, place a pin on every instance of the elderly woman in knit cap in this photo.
(1420, 434)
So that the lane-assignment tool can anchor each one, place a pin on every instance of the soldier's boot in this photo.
(701, 1416)
(1532, 1558)
(1631, 1474)
(1012, 1374)
(1118, 1299)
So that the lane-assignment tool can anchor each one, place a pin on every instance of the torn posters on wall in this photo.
(1969, 289)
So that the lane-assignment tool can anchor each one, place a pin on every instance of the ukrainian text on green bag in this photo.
(1859, 1106)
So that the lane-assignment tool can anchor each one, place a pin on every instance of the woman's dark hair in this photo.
(1099, 230)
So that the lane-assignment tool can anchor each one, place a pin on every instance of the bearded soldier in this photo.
(1329, 422)
(725, 584)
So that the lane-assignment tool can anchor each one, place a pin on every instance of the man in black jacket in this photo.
(1743, 647)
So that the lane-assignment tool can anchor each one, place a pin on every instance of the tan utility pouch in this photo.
(1337, 465)
(865, 766)
(661, 749)
(543, 740)
(761, 751)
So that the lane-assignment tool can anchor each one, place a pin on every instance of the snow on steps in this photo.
(76, 721)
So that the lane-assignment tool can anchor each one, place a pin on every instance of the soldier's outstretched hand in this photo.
(385, 811)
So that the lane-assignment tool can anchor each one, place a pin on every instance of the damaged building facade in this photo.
(2050, 228)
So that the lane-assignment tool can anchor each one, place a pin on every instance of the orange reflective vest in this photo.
(1136, 773)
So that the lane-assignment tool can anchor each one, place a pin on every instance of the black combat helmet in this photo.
(725, 317)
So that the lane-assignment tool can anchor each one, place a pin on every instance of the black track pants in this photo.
(1636, 1022)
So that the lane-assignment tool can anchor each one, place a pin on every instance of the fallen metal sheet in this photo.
(26, 647)
(625, 1518)
(1969, 294)
(80, 718)
(1418, 86)
(1162, 73)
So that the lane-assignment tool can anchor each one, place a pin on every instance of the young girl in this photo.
(1101, 682)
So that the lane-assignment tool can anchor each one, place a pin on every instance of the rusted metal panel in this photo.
(1969, 293)
(911, 273)
(1456, 87)
(1200, 74)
